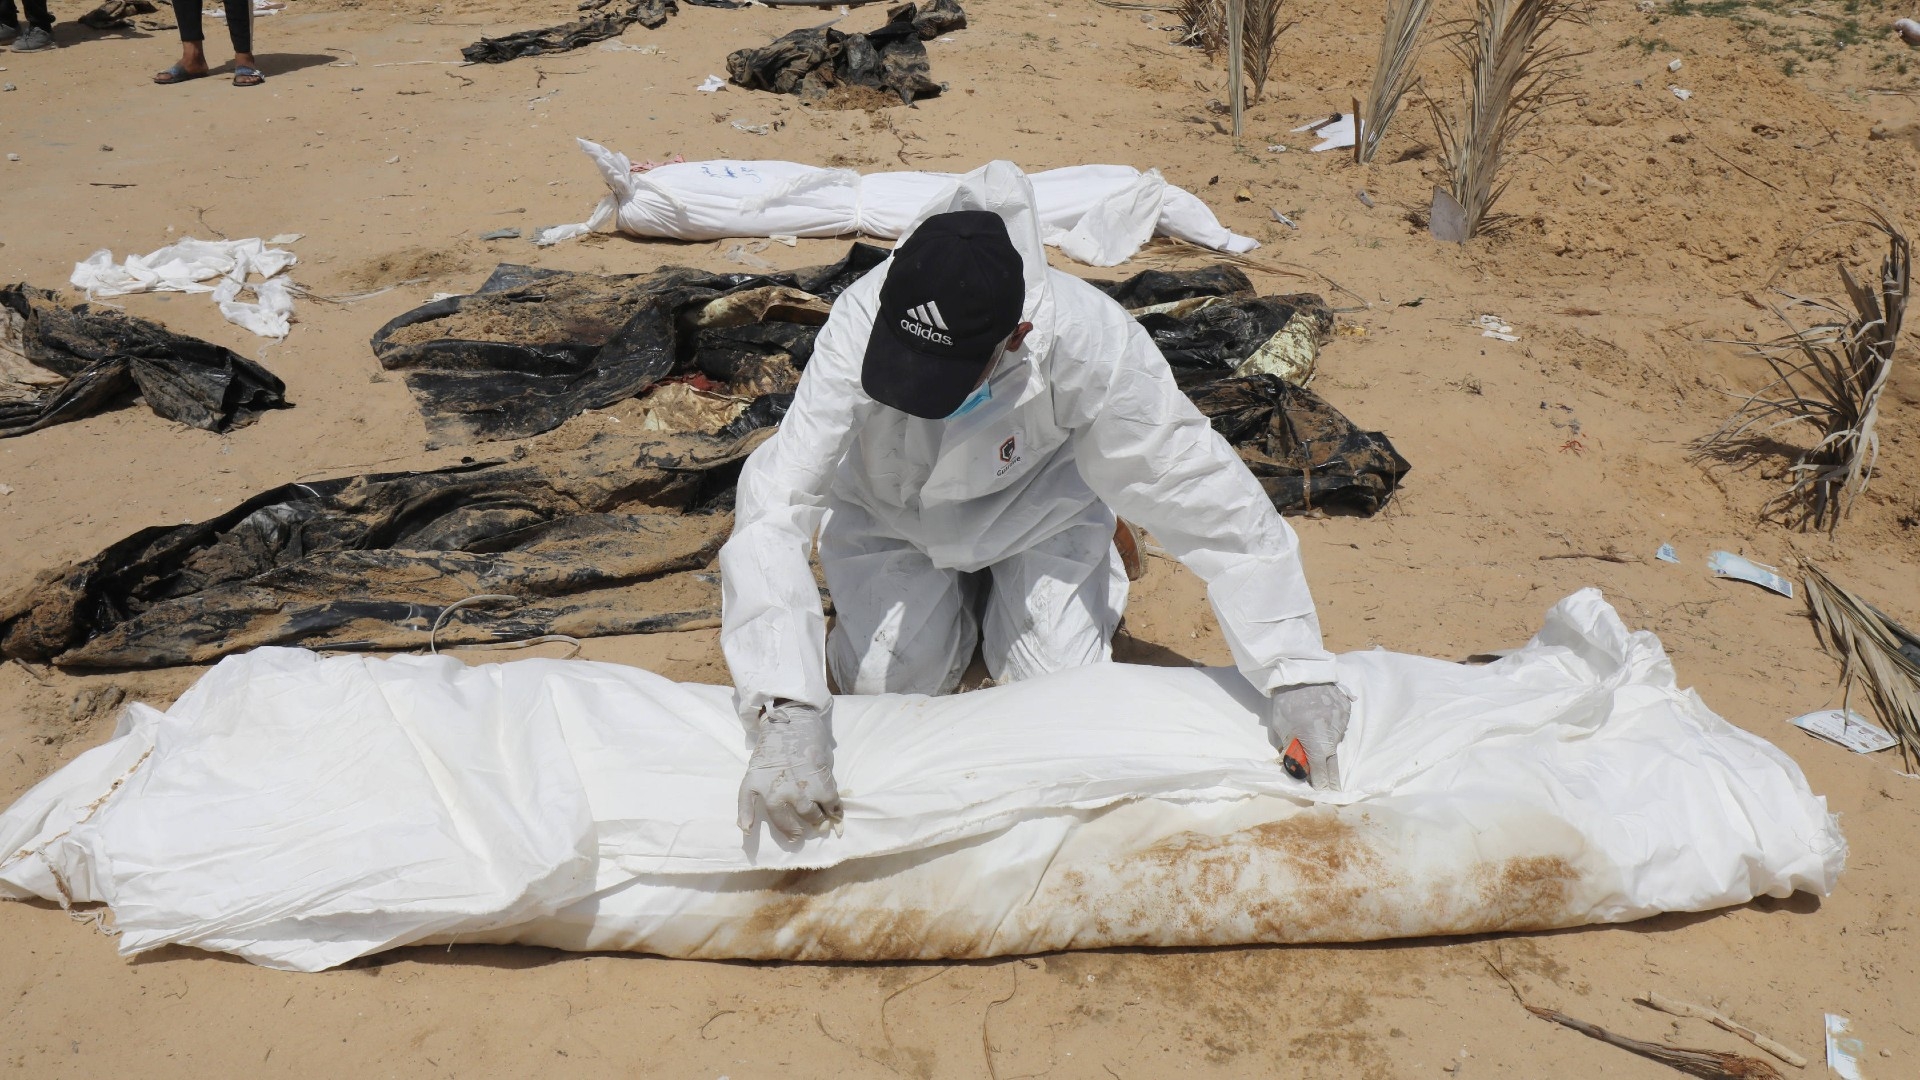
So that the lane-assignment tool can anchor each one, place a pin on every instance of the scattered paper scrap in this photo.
(1336, 132)
(1843, 1052)
(1844, 727)
(1727, 564)
(1683, 95)
(1494, 326)
(713, 85)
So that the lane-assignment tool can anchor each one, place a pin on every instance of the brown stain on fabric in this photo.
(1322, 875)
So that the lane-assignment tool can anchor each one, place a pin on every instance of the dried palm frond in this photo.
(1260, 38)
(1828, 376)
(1204, 24)
(1513, 74)
(1709, 1064)
(1875, 651)
(1392, 73)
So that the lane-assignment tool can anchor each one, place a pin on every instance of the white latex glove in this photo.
(789, 779)
(1316, 714)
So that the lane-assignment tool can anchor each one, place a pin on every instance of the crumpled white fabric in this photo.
(301, 810)
(1097, 214)
(220, 267)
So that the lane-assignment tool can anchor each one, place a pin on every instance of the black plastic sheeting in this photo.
(608, 533)
(813, 63)
(609, 537)
(1305, 454)
(612, 19)
(566, 342)
(60, 363)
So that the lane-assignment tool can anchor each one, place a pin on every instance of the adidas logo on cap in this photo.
(922, 321)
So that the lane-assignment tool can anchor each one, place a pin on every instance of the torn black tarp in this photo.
(534, 347)
(606, 535)
(1305, 454)
(60, 363)
(611, 18)
(821, 64)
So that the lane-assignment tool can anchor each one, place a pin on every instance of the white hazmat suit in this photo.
(1084, 422)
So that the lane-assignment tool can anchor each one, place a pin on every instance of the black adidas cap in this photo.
(952, 296)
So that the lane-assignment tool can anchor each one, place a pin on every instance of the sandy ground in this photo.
(1640, 226)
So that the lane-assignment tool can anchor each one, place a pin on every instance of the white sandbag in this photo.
(1098, 214)
(300, 811)
(220, 267)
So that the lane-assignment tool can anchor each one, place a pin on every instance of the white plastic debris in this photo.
(1843, 1051)
(1908, 30)
(1844, 727)
(302, 810)
(1683, 95)
(286, 238)
(1674, 65)
(1098, 214)
(1276, 148)
(621, 46)
(13, 157)
(1493, 326)
(751, 129)
(1336, 133)
(260, 7)
(1727, 564)
(5, 490)
(220, 267)
(1667, 554)
(713, 85)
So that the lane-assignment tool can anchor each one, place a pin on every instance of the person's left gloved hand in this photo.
(789, 778)
(1316, 714)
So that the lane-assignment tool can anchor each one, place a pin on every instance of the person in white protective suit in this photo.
(968, 427)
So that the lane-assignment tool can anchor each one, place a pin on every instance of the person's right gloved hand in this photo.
(789, 779)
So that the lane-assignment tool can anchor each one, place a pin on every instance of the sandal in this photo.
(177, 74)
(246, 76)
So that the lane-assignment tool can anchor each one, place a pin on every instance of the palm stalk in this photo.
(1513, 74)
(1392, 73)
(1828, 376)
(1876, 652)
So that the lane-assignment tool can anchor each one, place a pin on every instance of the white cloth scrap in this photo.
(220, 267)
(1096, 214)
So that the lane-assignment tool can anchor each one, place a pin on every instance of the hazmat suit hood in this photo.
(1001, 188)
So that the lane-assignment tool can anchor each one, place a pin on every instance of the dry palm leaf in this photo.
(1513, 74)
(1874, 650)
(1205, 25)
(1260, 38)
(1711, 1064)
(1392, 73)
(1827, 376)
